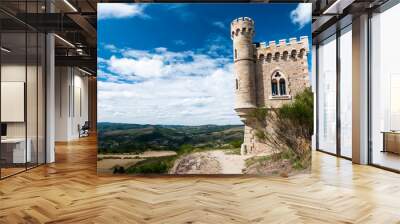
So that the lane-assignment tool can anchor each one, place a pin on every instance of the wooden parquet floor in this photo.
(69, 191)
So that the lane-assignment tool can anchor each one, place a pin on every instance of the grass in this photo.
(296, 162)
(152, 165)
(111, 157)
(257, 159)
(160, 165)
(232, 151)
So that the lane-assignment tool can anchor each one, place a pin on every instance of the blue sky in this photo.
(172, 63)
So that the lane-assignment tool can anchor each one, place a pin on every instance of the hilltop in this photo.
(137, 138)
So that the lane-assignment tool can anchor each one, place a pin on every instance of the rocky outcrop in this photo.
(196, 163)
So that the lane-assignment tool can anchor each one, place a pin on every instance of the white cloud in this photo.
(111, 47)
(181, 100)
(140, 65)
(175, 88)
(219, 24)
(107, 76)
(119, 10)
(301, 15)
(141, 68)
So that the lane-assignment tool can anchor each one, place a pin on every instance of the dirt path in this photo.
(145, 154)
(229, 163)
(210, 162)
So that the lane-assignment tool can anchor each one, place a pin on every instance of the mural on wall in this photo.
(204, 89)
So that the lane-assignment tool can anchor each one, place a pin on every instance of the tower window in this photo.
(277, 56)
(274, 85)
(269, 57)
(236, 54)
(237, 84)
(285, 55)
(293, 54)
(278, 84)
(302, 53)
(282, 86)
(261, 58)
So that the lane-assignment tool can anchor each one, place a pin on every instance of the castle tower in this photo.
(242, 32)
(266, 76)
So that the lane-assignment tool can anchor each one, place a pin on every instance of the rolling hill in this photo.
(136, 138)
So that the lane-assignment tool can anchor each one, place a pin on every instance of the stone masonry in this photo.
(266, 75)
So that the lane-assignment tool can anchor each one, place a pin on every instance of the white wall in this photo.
(62, 82)
(71, 102)
(33, 126)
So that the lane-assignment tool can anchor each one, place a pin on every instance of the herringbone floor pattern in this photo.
(69, 191)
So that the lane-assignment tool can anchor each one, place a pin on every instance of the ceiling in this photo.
(73, 21)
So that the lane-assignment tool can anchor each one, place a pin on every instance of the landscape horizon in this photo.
(122, 146)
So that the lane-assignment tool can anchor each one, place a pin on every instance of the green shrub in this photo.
(236, 143)
(300, 112)
(184, 149)
(118, 169)
(152, 165)
(291, 129)
(259, 114)
(155, 167)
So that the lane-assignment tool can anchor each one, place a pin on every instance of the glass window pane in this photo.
(346, 92)
(385, 84)
(13, 87)
(327, 95)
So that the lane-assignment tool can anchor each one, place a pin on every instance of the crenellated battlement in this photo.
(242, 19)
(283, 48)
(242, 26)
(291, 42)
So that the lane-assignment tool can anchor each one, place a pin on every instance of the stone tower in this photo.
(242, 32)
(266, 75)
(244, 61)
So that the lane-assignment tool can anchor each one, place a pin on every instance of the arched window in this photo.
(282, 87)
(274, 86)
(261, 57)
(237, 84)
(293, 54)
(235, 54)
(278, 84)
(302, 52)
(269, 57)
(277, 55)
(285, 55)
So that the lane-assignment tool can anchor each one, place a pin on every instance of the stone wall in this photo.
(290, 60)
